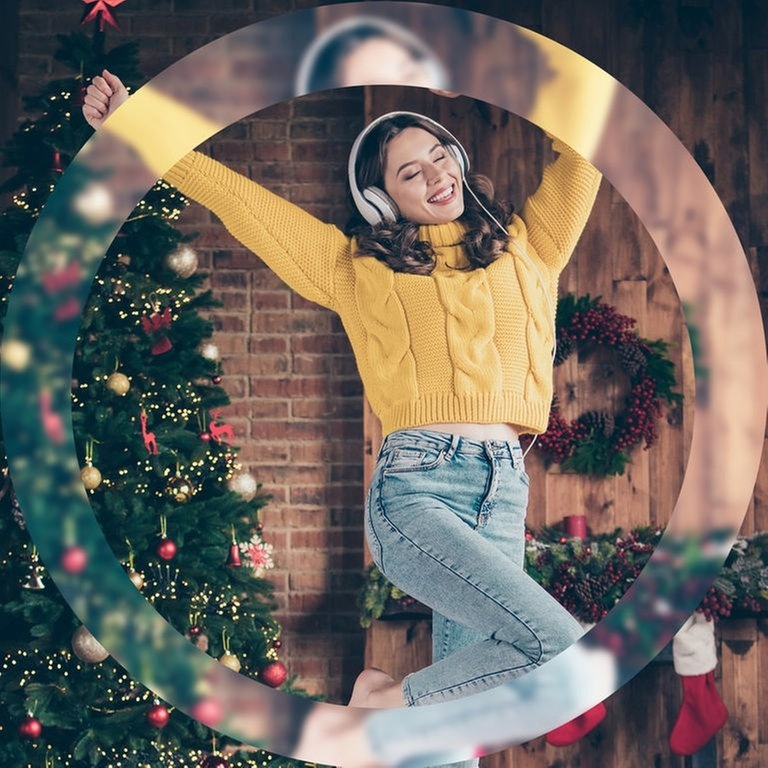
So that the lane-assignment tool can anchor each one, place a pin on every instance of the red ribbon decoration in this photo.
(101, 9)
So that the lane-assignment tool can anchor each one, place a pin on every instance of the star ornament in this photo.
(101, 10)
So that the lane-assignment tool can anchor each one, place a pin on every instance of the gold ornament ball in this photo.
(87, 648)
(230, 661)
(136, 578)
(91, 477)
(118, 383)
(180, 489)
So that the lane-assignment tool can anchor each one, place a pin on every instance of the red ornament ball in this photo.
(166, 549)
(205, 437)
(158, 716)
(208, 711)
(216, 379)
(274, 674)
(74, 559)
(30, 728)
(213, 761)
(195, 630)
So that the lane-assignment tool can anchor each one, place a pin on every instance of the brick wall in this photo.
(296, 396)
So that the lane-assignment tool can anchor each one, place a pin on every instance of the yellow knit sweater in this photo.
(453, 346)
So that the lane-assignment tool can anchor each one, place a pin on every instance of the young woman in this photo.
(448, 300)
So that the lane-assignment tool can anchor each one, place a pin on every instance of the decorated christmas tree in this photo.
(159, 466)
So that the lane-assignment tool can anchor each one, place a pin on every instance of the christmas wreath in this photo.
(588, 577)
(598, 443)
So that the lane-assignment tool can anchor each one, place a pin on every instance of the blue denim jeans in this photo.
(445, 522)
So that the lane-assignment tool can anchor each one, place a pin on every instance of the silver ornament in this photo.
(183, 261)
(87, 648)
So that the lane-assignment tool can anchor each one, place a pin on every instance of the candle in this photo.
(575, 526)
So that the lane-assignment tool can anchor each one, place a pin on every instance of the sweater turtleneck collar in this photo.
(443, 235)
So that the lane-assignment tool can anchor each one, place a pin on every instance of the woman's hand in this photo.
(103, 96)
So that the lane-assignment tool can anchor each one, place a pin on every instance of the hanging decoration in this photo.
(203, 434)
(74, 559)
(183, 261)
(166, 548)
(155, 326)
(233, 559)
(244, 484)
(136, 577)
(101, 11)
(150, 440)
(35, 579)
(220, 433)
(274, 674)
(53, 426)
(158, 715)
(118, 383)
(180, 488)
(56, 166)
(90, 475)
(258, 554)
(599, 443)
(86, 647)
(30, 728)
(228, 659)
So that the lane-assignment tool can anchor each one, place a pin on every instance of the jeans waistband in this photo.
(453, 444)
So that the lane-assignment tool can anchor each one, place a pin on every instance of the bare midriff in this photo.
(508, 432)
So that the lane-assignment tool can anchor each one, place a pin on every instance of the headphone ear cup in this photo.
(460, 156)
(383, 204)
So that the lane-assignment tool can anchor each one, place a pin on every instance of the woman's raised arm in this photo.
(302, 250)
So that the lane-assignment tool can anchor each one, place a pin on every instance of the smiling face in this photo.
(423, 178)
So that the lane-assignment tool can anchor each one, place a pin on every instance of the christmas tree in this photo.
(158, 463)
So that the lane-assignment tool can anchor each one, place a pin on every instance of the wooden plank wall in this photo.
(702, 65)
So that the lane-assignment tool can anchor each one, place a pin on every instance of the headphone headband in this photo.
(373, 203)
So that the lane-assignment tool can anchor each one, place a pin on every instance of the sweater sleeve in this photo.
(555, 215)
(301, 250)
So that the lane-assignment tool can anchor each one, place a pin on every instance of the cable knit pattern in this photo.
(388, 348)
(454, 346)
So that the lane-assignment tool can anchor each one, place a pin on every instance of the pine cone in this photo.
(588, 590)
(598, 421)
(632, 359)
(565, 346)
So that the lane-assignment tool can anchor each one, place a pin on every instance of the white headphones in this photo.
(373, 203)
(308, 66)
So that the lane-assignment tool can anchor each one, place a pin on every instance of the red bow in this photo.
(101, 9)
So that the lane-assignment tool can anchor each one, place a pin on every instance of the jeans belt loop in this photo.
(453, 447)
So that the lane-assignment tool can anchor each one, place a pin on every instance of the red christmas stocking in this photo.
(702, 713)
(580, 726)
